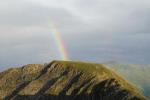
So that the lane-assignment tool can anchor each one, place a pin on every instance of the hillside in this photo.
(65, 80)
(137, 74)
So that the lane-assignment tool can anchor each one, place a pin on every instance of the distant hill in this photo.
(66, 80)
(137, 74)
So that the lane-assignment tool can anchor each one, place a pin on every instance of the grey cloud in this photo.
(93, 30)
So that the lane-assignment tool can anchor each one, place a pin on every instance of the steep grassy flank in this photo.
(12, 77)
(102, 72)
(137, 74)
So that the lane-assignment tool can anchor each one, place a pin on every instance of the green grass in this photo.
(84, 66)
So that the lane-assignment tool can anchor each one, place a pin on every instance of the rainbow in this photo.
(60, 43)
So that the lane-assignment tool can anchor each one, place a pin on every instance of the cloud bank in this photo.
(93, 30)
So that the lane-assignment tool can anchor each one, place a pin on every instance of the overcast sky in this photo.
(93, 30)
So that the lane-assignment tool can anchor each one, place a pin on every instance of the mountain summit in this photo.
(66, 80)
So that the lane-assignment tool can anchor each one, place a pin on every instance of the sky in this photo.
(93, 30)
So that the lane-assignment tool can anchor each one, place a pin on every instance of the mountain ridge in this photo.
(66, 80)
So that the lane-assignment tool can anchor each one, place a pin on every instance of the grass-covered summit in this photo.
(65, 80)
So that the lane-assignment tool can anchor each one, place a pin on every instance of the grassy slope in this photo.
(10, 78)
(100, 69)
(137, 74)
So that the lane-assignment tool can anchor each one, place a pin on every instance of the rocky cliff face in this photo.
(61, 80)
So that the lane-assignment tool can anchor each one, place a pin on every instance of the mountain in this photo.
(137, 74)
(66, 80)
